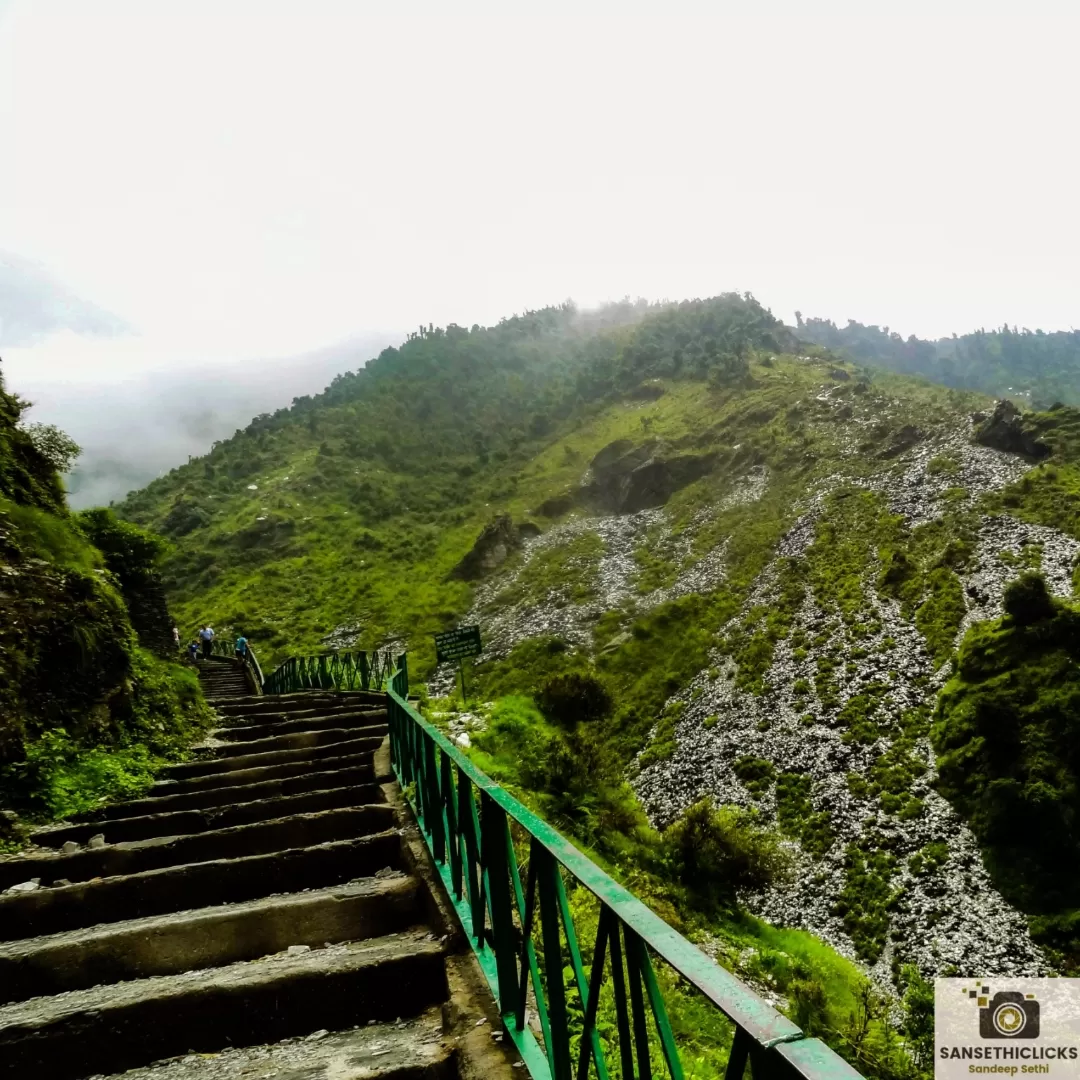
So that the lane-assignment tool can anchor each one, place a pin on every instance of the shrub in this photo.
(715, 851)
(1027, 600)
(575, 696)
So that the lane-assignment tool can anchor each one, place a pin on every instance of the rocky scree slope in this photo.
(881, 543)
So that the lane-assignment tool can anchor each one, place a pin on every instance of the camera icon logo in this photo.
(1009, 1014)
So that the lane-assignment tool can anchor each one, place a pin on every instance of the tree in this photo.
(1027, 600)
(131, 553)
(58, 448)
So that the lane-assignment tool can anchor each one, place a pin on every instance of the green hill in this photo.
(351, 508)
(1037, 367)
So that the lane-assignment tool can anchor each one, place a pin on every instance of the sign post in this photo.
(457, 644)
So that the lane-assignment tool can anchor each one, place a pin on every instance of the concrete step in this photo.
(231, 812)
(303, 722)
(278, 834)
(211, 937)
(361, 754)
(265, 789)
(176, 888)
(213, 762)
(110, 1028)
(412, 1050)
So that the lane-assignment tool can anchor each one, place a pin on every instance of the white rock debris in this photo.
(950, 918)
(614, 579)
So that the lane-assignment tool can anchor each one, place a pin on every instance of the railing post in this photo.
(436, 825)
(495, 836)
(546, 873)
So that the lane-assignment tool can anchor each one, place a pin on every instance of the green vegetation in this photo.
(85, 712)
(867, 896)
(796, 815)
(1043, 367)
(756, 774)
(1006, 734)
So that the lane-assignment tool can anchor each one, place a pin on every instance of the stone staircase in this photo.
(266, 910)
(222, 678)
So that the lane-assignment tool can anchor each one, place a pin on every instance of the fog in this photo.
(196, 193)
(140, 427)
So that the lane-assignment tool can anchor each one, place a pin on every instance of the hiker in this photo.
(206, 636)
(241, 648)
(193, 651)
(176, 637)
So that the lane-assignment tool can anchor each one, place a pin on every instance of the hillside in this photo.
(726, 565)
(86, 708)
(341, 518)
(1032, 366)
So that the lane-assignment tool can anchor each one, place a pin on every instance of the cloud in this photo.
(33, 305)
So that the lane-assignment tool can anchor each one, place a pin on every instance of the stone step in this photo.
(362, 755)
(212, 763)
(305, 699)
(411, 1050)
(278, 834)
(271, 716)
(283, 726)
(211, 937)
(120, 1026)
(230, 812)
(297, 740)
(176, 888)
(204, 799)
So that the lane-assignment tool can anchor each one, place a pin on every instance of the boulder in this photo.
(556, 506)
(626, 478)
(492, 548)
(1006, 430)
(902, 441)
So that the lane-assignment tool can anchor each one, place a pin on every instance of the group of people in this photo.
(204, 643)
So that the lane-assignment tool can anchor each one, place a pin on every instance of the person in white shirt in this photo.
(206, 636)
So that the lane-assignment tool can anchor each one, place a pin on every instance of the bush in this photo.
(1027, 600)
(574, 697)
(715, 851)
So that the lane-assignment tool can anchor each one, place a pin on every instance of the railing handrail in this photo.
(754, 1018)
(335, 670)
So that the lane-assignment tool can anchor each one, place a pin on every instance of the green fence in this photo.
(332, 671)
(523, 932)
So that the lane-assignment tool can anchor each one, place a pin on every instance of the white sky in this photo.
(246, 179)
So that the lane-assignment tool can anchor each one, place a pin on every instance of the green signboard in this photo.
(457, 644)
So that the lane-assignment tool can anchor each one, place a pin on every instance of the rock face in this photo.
(492, 548)
(627, 478)
(1005, 430)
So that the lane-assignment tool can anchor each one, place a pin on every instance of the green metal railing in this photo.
(331, 671)
(523, 934)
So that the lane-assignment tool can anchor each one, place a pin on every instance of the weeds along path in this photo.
(264, 910)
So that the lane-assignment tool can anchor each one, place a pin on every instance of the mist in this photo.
(138, 428)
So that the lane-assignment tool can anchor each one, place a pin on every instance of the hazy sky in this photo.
(235, 180)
